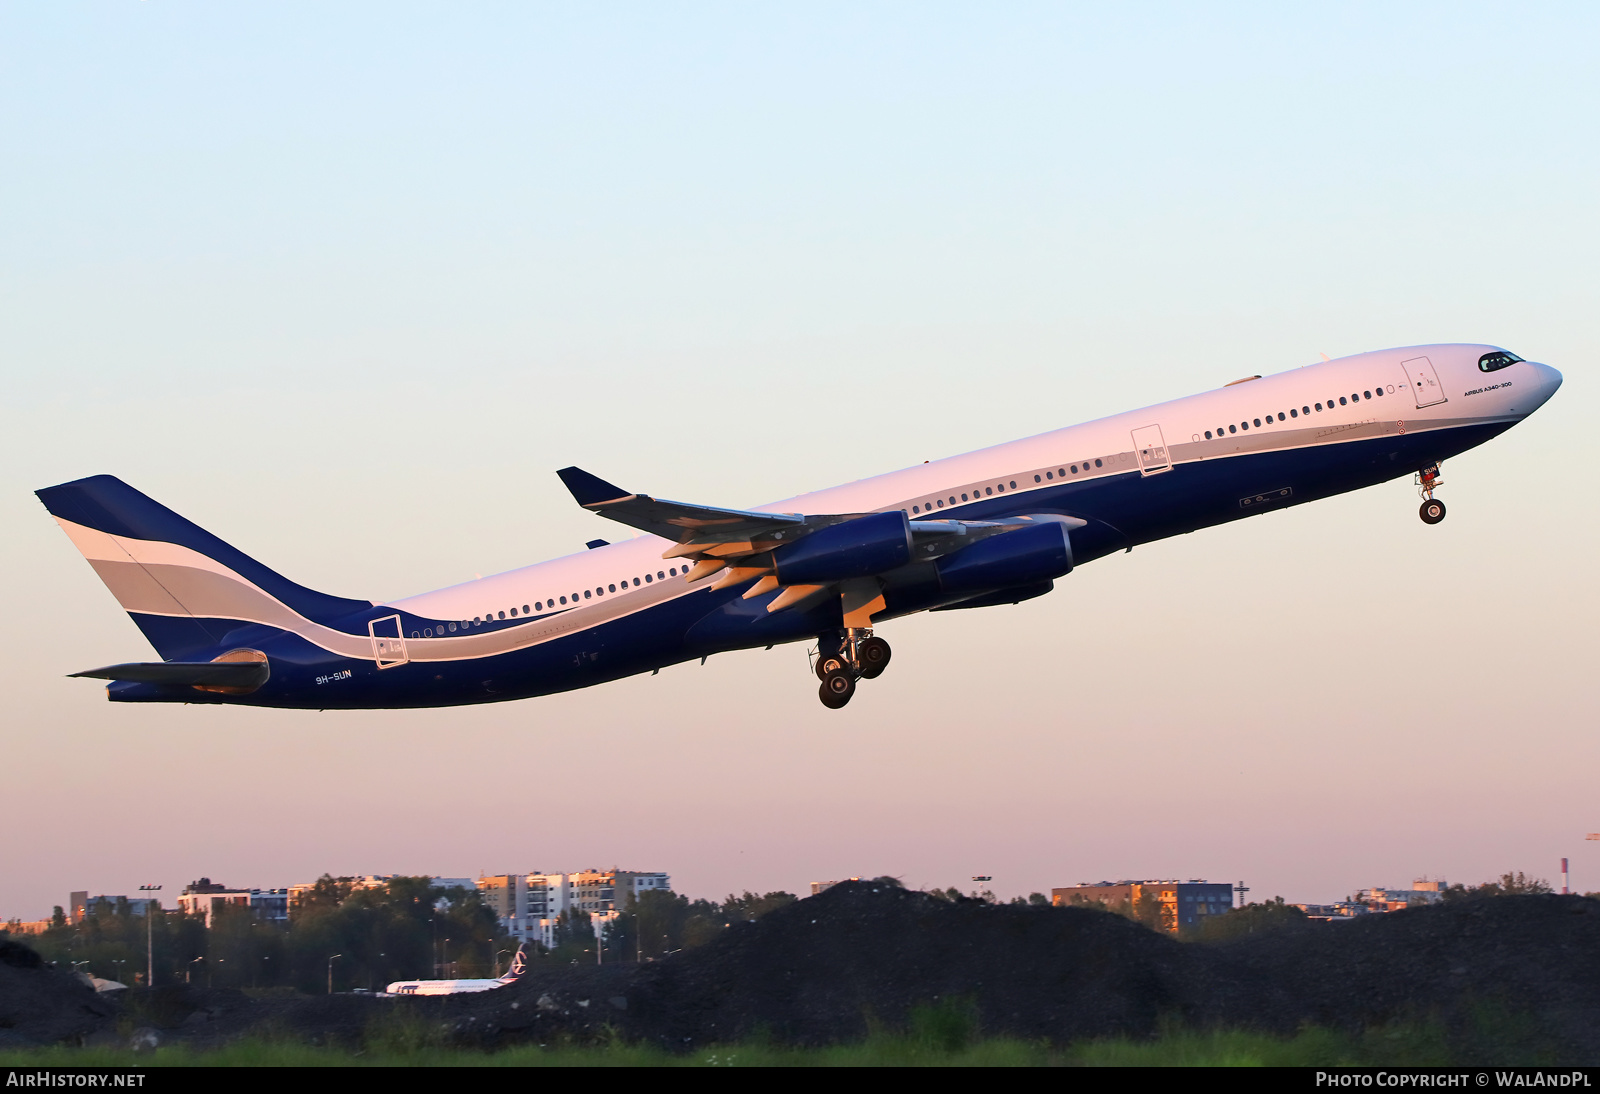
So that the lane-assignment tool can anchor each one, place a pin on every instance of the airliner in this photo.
(519, 965)
(991, 527)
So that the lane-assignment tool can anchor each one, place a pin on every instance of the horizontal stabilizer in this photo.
(200, 674)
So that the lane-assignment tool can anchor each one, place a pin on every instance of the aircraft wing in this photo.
(718, 538)
(672, 519)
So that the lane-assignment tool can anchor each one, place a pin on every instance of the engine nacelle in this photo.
(857, 548)
(1023, 557)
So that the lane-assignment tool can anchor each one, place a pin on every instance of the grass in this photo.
(933, 1045)
(945, 1034)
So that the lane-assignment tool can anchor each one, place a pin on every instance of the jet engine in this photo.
(861, 547)
(1022, 557)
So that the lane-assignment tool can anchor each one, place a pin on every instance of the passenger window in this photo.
(587, 595)
(1378, 391)
(1074, 469)
(452, 628)
(513, 613)
(1013, 484)
(1208, 434)
(989, 490)
(1246, 425)
(1280, 416)
(613, 589)
(1063, 472)
(916, 509)
(1097, 463)
(524, 609)
(1036, 478)
(1293, 413)
(1307, 410)
(502, 615)
(674, 571)
(963, 497)
(1341, 400)
(1368, 394)
(1233, 429)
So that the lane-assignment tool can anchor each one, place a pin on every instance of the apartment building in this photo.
(528, 905)
(204, 897)
(1183, 904)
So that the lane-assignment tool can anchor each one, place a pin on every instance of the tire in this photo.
(1432, 511)
(829, 663)
(874, 654)
(837, 688)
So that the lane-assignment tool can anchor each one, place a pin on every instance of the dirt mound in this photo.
(865, 955)
(1476, 964)
(40, 1005)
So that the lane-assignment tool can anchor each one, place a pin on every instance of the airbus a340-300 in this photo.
(991, 527)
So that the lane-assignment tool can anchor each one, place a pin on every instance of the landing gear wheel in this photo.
(1432, 511)
(874, 654)
(837, 688)
(829, 663)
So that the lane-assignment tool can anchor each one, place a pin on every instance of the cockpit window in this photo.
(1492, 362)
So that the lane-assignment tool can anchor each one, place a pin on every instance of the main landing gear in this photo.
(1428, 480)
(842, 659)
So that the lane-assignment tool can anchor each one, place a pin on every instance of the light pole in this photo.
(149, 935)
(331, 960)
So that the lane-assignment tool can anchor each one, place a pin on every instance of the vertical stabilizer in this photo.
(184, 587)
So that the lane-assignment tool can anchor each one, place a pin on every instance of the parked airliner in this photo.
(519, 965)
(991, 527)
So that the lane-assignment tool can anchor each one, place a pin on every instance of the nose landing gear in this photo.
(843, 658)
(1428, 480)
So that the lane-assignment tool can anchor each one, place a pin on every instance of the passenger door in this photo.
(1424, 381)
(1151, 450)
(388, 643)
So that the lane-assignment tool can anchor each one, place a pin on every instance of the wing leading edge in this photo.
(749, 546)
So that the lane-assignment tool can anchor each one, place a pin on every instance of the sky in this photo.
(346, 284)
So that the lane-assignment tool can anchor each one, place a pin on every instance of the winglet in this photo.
(588, 489)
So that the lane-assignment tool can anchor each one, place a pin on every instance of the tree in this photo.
(1270, 915)
(744, 909)
(1509, 884)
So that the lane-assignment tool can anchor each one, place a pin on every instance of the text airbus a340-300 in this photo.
(991, 527)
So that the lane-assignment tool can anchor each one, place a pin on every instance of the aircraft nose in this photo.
(1548, 380)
